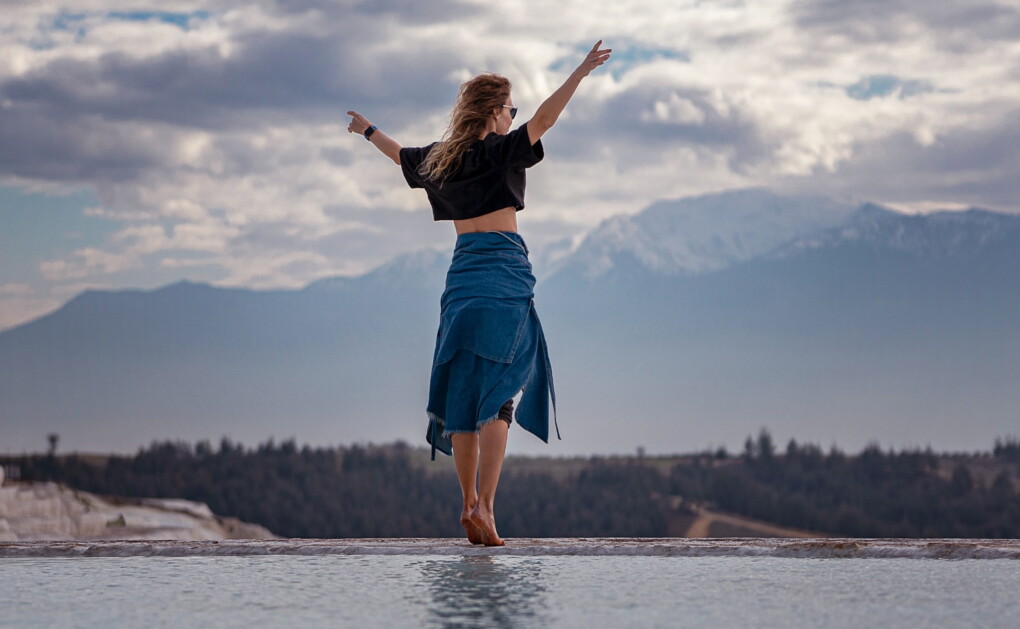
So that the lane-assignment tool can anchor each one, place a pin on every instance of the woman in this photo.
(490, 344)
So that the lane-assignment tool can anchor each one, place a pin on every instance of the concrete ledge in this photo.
(850, 548)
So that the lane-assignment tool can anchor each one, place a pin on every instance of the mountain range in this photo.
(688, 325)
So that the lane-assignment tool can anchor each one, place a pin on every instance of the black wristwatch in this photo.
(369, 131)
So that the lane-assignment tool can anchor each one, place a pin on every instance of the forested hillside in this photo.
(393, 490)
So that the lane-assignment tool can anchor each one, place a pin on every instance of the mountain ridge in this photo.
(855, 337)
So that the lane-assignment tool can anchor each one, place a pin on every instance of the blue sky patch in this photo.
(881, 85)
(624, 58)
(63, 21)
(38, 227)
(177, 19)
(68, 21)
(79, 23)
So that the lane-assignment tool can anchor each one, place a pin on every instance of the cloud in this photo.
(868, 21)
(660, 116)
(213, 133)
(87, 261)
(963, 167)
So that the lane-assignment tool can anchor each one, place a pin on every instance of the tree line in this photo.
(384, 491)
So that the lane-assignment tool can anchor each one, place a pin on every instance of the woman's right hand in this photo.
(358, 123)
(594, 59)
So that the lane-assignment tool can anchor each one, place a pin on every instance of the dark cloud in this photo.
(627, 122)
(37, 143)
(973, 167)
(741, 39)
(409, 11)
(418, 12)
(337, 156)
(272, 78)
(52, 114)
(889, 20)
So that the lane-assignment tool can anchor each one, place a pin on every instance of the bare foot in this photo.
(487, 525)
(474, 534)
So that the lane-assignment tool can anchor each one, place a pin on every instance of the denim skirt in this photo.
(490, 344)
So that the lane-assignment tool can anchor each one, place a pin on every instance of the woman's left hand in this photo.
(358, 123)
(594, 59)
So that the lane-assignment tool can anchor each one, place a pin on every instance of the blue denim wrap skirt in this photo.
(490, 343)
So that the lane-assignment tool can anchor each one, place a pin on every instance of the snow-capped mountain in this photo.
(936, 235)
(426, 266)
(701, 234)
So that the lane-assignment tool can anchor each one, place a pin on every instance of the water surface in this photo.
(508, 591)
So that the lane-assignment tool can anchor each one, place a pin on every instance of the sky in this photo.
(146, 143)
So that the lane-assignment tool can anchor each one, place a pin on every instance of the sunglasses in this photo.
(513, 111)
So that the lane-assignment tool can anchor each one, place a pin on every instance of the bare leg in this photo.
(493, 449)
(465, 457)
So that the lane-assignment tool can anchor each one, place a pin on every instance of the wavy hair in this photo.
(475, 102)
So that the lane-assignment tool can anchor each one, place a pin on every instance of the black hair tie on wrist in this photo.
(369, 131)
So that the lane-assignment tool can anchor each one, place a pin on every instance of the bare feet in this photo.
(474, 534)
(486, 525)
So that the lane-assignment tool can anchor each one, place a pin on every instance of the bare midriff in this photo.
(504, 220)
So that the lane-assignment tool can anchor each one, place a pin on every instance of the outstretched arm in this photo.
(550, 110)
(380, 140)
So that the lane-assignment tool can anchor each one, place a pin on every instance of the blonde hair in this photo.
(475, 103)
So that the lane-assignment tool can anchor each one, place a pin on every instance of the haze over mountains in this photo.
(688, 325)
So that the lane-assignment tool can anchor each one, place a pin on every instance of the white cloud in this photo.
(675, 110)
(85, 262)
(57, 270)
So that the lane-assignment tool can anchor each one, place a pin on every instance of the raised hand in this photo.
(358, 123)
(548, 112)
(594, 59)
(380, 140)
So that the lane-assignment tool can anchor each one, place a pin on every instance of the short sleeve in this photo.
(411, 158)
(515, 150)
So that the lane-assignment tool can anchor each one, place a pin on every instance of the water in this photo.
(507, 591)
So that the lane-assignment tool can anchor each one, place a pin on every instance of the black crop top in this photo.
(490, 177)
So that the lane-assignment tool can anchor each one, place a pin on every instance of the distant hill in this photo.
(393, 490)
(681, 327)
